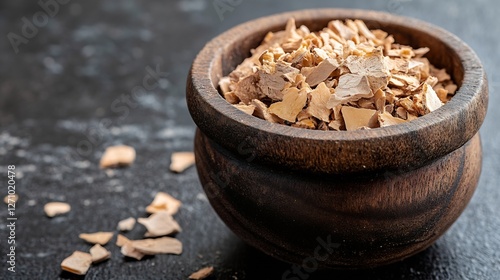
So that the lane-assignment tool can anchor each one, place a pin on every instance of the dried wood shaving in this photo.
(430, 100)
(10, 198)
(121, 240)
(386, 119)
(352, 87)
(247, 89)
(249, 109)
(317, 105)
(163, 245)
(302, 79)
(181, 161)
(164, 202)
(442, 93)
(202, 273)
(117, 156)
(231, 97)
(262, 111)
(99, 253)
(356, 118)
(126, 224)
(53, 209)
(317, 74)
(160, 224)
(128, 250)
(100, 237)
(78, 263)
(293, 102)
(451, 88)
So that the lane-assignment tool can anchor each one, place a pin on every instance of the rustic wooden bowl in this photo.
(338, 199)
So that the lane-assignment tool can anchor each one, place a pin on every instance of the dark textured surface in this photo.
(59, 110)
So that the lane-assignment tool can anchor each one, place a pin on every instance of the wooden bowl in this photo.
(352, 199)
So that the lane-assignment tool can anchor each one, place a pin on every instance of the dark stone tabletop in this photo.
(66, 93)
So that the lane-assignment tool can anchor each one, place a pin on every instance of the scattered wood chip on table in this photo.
(126, 224)
(164, 202)
(78, 263)
(128, 250)
(121, 240)
(181, 161)
(137, 249)
(202, 273)
(99, 253)
(160, 224)
(100, 237)
(11, 198)
(53, 209)
(117, 156)
(163, 245)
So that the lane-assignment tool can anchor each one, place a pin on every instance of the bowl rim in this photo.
(465, 112)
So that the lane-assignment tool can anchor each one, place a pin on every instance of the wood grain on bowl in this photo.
(376, 218)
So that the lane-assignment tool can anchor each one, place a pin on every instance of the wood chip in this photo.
(261, 111)
(371, 66)
(352, 87)
(430, 100)
(317, 106)
(411, 82)
(160, 224)
(164, 202)
(272, 83)
(181, 161)
(451, 88)
(319, 73)
(117, 156)
(202, 273)
(442, 94)
(356, 118)
(421, 51)
(249, 109)
(231, 97)
(441, 75)
(247, 89)
(78, 263)
(402, 113)
(293, 102)
(100, 237)
(53, 209)
(307, 123)
(386, 119)
(121, 240)
(163, 245)
(128, 250)
(11, 198)
(126, 224)
(341, 29)
(99, 253)
(225, 84)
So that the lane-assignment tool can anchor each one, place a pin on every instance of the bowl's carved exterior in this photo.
(370, 219)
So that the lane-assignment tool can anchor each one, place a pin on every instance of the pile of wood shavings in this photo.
(344, 77)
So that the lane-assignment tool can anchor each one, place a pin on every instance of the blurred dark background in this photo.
(71, 86)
